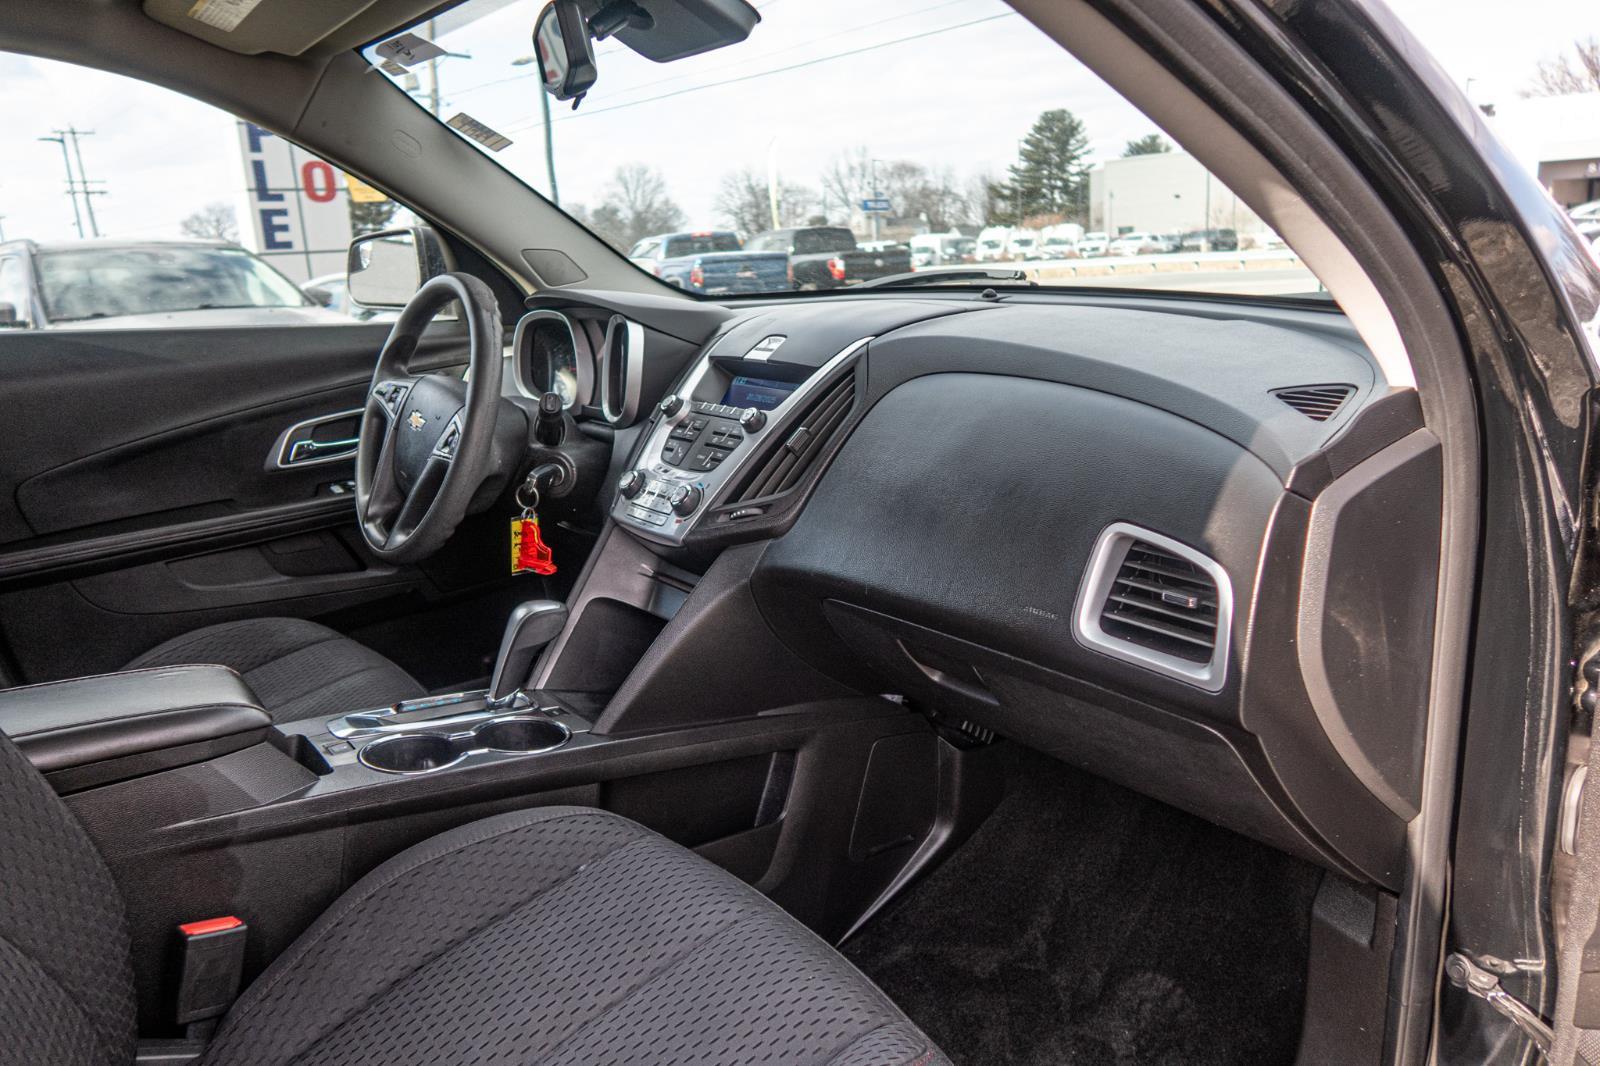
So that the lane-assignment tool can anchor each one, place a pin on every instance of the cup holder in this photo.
(418, 753)
(421, 753)
(522, 734)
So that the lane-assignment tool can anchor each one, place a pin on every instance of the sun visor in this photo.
(290, 27)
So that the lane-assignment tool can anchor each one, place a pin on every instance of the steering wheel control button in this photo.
(752, 419)
(670, 405)
(631, 484)
(685, 499)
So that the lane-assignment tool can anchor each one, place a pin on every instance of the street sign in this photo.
(877, 205)
(297, 212)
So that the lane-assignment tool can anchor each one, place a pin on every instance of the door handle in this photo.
(298, 446)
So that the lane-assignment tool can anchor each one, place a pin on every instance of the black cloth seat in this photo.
(298, 669)
(558, 935)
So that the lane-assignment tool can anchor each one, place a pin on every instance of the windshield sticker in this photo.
(224, 15)
(408, 50)
(465, 123)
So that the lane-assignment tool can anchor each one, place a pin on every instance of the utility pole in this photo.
(83, 177)
(549, 134)
(876, 195)
(72, 185)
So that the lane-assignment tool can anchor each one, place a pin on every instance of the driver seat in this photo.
(297, 669)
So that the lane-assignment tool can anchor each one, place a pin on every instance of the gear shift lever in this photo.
(531, 626)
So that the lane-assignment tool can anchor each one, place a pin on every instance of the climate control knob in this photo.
(670, 405)
(631, 484)
(752, 419)
(684, 500)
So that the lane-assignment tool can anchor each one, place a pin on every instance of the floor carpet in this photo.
(1084, 923)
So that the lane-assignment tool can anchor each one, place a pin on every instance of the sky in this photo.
(948, 83)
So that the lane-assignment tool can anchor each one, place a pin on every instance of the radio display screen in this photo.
(759, 393)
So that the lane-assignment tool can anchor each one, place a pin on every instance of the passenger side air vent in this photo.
(783, 469)
(1152, 601)
(1317, 402)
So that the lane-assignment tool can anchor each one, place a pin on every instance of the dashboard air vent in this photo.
(782, 470)
(1164, 601)
(1158, 603)
(1317, 402)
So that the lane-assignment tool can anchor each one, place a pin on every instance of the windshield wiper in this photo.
(945, 275)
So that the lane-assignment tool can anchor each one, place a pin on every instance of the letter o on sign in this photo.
(318, 180)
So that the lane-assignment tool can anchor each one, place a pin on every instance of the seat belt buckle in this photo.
(210, 966)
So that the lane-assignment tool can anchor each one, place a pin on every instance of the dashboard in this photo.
(1190, 546)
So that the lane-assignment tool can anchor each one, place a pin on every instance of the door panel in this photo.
(142, 493)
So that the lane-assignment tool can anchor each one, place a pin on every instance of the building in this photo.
(1558, 139)
(1165, 193)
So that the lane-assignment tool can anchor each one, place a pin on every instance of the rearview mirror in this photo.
(386, 269)
(565, 53)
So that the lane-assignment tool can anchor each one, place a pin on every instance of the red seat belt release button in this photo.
(211, 965)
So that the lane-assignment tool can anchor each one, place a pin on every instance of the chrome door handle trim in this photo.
(284, 452)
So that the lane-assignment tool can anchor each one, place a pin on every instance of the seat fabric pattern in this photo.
(66, 982)
(560, 935)
(298, 669)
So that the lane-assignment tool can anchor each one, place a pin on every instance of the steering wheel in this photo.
(426, 439)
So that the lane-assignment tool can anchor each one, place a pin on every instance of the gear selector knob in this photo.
(532, 625)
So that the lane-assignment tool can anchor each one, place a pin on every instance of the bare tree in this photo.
(636, 205)
(213, 222)
(848, 179)
(1568, 74)
(744, 202)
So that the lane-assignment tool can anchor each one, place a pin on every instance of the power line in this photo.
(591, 112)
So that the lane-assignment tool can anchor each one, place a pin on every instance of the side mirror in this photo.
(386, 269)
(565, 53)
(9, 319)
(319, 296)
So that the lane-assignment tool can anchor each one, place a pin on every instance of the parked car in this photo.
(1023, 244)
(1060, 241)
(1587, 218)
(333, 292)
(827, 257)
(1137, 243)
(1210, 240)
(939, 249)
(711, 262)
(111, 284)
(1094, 243)
(992, 243)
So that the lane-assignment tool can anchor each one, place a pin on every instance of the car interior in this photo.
(896, 675)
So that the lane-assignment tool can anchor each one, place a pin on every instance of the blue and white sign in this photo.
(879, 205)
(297, 208)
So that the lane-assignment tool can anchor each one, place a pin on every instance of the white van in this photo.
(1060, 241)
(992, 241)
(1024, 244)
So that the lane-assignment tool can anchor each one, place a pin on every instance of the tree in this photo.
(1149, 144)
(213, 222)
(744, 202)
(1051, 175)
(848, 180)
(370, 217)
(985, 202)
(636, 205)
(1565, 75)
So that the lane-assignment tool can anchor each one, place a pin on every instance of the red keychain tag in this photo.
(529, 552)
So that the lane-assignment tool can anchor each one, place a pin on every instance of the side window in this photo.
(646, 250)
(14, 311)
(185, 218)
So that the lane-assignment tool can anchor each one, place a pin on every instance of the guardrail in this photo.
(1045, 270)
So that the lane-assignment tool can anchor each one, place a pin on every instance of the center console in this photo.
(745, 400)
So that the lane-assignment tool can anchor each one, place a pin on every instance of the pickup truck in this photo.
(826, 257)
(711, 262)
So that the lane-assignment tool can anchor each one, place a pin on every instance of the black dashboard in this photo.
(1156, 539)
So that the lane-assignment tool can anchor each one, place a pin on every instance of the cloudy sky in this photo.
(948, 83)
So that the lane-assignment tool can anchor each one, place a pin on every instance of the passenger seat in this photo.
(559, 935)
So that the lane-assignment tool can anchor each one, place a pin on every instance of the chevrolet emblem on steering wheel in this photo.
(416, 421)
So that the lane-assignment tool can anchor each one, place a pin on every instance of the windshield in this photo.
(811, 132)
(105, 282)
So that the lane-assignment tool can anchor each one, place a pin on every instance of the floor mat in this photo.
(1084, 923)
